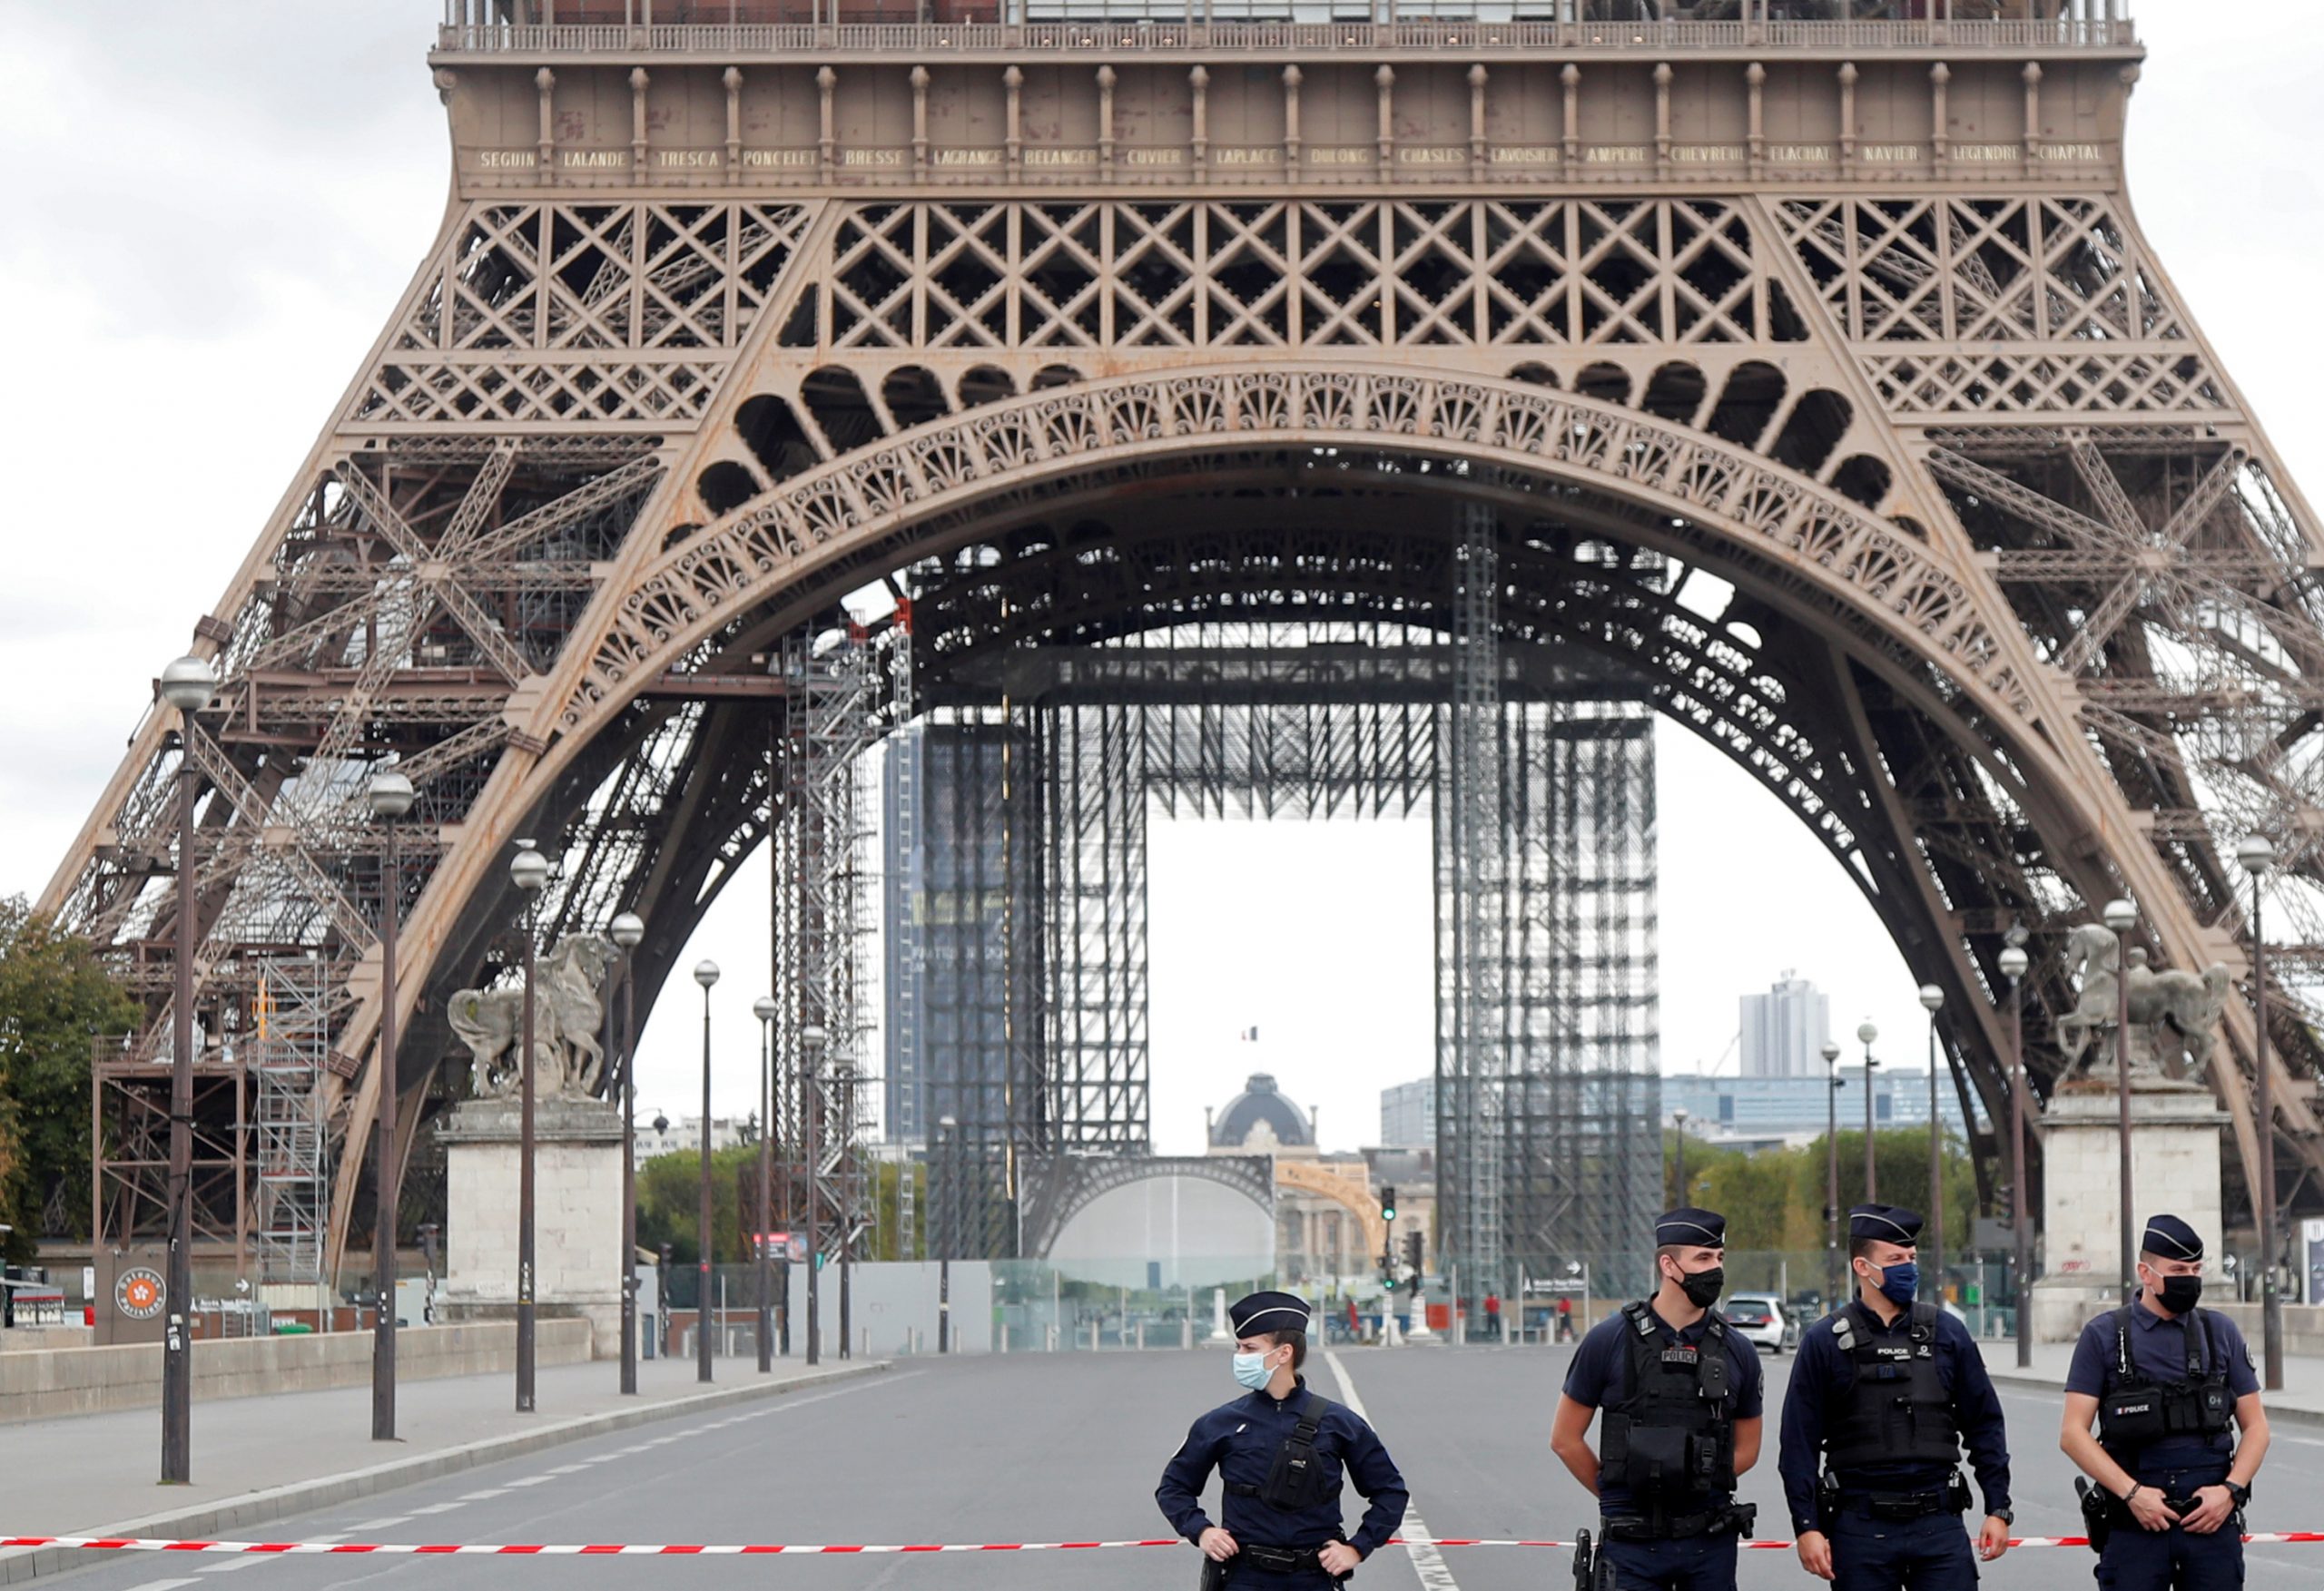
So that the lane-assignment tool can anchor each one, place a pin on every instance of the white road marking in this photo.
(477, 1497)
(533, 1480)
(441, 1507)
(162, 1585)
(227, 1565)
(374, 1524)
(1427, 1562)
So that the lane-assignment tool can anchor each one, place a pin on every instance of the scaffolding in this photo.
(292, 1208)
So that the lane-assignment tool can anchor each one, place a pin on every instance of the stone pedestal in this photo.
(2175, 1165)
(576, 1213)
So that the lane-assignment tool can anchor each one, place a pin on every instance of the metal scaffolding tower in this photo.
(292, 1217)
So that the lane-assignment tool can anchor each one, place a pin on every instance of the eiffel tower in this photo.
(1802, 361)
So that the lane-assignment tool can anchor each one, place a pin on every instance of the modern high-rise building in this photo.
(1784, 1029)
(1408, 1115)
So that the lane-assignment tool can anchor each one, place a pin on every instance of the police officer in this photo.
(1884, 1394)
(1281, 1453)
(2164, 1379)
(1680, 1393)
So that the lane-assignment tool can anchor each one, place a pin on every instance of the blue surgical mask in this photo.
(1899, 1282)
(1251, 1369)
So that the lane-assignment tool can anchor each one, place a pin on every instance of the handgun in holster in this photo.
(1585, 1574)
(1828, 1502)
(1214, 1575)
(2097, 1513)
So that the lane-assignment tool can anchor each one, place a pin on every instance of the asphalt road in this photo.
(1038, 1447)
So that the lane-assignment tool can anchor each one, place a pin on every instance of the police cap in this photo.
(1268, 1312)
(2171, 1238)
(1886, 1223)
(1699, 1228)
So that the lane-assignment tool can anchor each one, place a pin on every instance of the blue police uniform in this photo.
(2179, 1463)
(1895, 1527)
(1241, 1442)
(1600, 1375)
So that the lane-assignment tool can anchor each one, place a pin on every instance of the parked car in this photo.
(1762, 1321)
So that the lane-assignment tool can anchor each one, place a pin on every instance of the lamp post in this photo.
(811, 1041)
(1932, 1002)
(2122, 916)
(705, 973)
(1678, 1116)
(2014, 962)
(529, 872)
(945, 1127)
(628, 932)
(1831, 1053)
(187, 684)
(843, 1237)
(390, 796)
(766, 1011)
(2257, 856)
(1865, 1034)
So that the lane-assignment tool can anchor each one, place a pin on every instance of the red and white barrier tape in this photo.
(604, 1549)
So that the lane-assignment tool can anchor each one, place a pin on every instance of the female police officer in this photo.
(1280, 1452)
(2164, 1380)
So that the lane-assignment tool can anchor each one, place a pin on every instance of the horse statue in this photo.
(567, 1058)
(2187, 1003)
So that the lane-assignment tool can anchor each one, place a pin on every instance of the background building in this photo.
(1408, 1115)
(1784, 1029)
(1762, 1112)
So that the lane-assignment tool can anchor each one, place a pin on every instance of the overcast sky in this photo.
(211, 208)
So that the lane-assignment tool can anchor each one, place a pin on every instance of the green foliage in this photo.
(669, 1205)
(1774, 1199)
(55, 999)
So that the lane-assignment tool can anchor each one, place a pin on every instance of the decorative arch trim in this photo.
(781, 537)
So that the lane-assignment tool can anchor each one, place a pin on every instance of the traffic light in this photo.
(1411, 1251)
(1388, 1203)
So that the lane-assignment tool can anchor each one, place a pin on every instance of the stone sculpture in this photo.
(2174, 1002)
(567, 1056)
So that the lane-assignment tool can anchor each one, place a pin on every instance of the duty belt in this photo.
(1727, 1519)
(1901, 1505)
(1283, 1560)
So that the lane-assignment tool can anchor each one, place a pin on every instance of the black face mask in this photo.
(2181, 1293)
(1702, 1288)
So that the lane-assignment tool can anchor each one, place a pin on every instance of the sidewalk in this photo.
(260, 1458)
(2301, 1403)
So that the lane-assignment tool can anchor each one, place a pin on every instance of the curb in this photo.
(2277, 1413)
(329, 1491)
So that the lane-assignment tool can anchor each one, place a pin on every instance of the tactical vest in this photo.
(1895, 1408)
(2138, 1412)
(1295, 1479)
(1672, 1434)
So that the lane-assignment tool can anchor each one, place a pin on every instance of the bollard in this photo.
(1186, 1332)
(1141, 1335)
(1004, 1336)
(1093, 1336)
(1049, 1343)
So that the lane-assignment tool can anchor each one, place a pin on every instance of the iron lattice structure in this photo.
(1961, 541)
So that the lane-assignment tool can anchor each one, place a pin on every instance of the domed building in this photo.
(1262, 1120)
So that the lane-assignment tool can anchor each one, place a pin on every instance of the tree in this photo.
(55, 997)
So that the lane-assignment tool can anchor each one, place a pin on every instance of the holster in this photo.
(1214, 1575)
(2097, 1513)
(1828, 1502)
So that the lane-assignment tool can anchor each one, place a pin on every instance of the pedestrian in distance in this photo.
(1283, 1454)
(1679, 1393)
(1884, 1394)
(1565, 1319)
(2168, 1385)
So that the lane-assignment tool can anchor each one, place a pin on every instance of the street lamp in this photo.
(628, 932)
(1679, 1117)
(1831, 1053)
(530, 872)
(705, 973)
(187, 684)
(766, 1011)
(1932, 1002)
(2121, 916)
(945, 1127)
(812, 1040)
(389, 797)
(2257, 855)
(2013, 963)
(1865, 1034)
